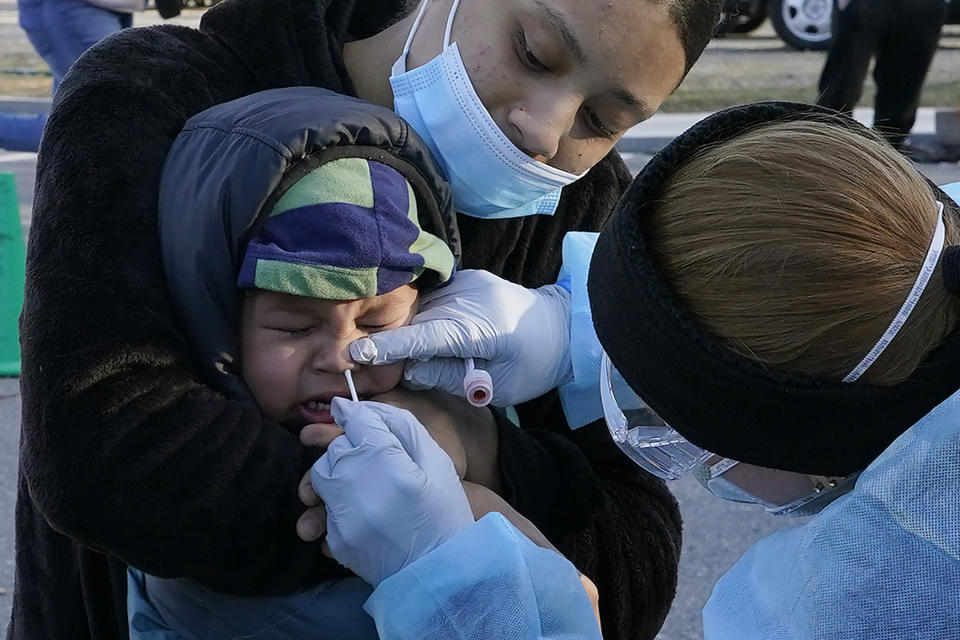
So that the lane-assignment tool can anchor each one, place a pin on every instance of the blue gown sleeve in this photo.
(581, 396)
(490, 581)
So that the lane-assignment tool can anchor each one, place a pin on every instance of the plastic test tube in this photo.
(353, 389)
(477, 385)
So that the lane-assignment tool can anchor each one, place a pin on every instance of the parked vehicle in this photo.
(802, 24)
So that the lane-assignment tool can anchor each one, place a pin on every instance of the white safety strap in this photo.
(929, 265)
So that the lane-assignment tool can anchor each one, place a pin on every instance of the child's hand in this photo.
(313, 523)
(319, 435)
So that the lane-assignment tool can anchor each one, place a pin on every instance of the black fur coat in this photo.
(128, 457)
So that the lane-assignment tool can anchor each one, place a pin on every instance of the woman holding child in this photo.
(136, 452)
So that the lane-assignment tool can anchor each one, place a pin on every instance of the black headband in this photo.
(721, 401)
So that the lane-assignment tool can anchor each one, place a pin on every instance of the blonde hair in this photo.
(797, 242)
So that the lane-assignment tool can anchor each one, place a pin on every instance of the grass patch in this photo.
(713, 99)
(943, 94)
(29, 86)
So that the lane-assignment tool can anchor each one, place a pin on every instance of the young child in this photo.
(277, 258)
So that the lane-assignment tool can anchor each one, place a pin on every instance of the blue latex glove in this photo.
(391, 493)
(520, 336)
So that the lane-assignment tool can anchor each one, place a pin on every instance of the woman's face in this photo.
(772, 488)
(564, 79)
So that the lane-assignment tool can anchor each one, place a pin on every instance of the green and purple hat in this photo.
(345, 230)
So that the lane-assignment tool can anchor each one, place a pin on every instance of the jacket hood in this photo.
(227, 168)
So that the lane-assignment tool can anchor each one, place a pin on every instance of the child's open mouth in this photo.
(315, 411)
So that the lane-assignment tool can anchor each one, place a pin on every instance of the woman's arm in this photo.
(468, 434)
(484, 501)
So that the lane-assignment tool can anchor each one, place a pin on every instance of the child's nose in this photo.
(334, 355)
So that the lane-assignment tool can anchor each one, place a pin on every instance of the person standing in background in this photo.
(903, 35)
(60, 31)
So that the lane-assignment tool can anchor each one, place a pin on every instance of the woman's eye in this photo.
(598, 127)
(526, 55)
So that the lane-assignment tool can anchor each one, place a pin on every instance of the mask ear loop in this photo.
(400, 66)
(446, 34)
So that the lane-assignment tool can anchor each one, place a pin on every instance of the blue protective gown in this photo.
(490, 581)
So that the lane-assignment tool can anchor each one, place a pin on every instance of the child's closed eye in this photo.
(376, 327)
(381, 323)
(292, 331)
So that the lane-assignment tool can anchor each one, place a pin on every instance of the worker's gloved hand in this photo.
(391, 493)
(520, 336)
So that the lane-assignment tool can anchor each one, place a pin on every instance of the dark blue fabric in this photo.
(60, 31)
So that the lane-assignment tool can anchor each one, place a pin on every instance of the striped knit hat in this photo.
(345, 230)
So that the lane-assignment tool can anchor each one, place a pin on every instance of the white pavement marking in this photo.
(670, 125)
(10, 156)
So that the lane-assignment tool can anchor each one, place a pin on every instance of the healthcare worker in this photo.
(790, 339)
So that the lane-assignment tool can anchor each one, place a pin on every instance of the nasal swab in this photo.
(353, 389)
(477, 385)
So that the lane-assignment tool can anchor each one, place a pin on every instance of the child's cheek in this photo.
(385, 378)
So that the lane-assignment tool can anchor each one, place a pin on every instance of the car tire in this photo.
(748, 24)
(802, 24)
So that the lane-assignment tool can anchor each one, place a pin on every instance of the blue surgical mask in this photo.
(489, 175)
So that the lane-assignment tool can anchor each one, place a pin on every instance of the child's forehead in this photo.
(271, 301)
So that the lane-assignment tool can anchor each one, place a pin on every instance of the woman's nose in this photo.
(538, 131)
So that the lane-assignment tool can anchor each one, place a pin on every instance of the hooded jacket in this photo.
(128, 455)
(226, 172)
